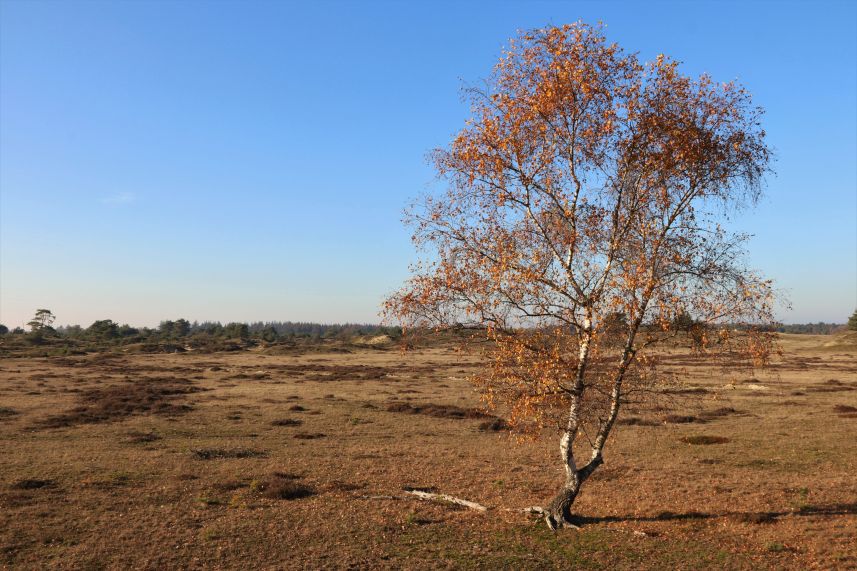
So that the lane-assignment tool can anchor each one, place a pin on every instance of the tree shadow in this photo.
(749, 517)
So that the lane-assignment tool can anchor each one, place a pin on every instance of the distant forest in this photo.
(264, 330)
(106, 329)
(819, 328)
(181, 333)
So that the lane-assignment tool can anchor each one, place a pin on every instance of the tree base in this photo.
(555, 524)
(558, 513)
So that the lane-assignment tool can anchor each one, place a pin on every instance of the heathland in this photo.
(301, 456)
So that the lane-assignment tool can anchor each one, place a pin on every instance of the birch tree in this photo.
(580, 222)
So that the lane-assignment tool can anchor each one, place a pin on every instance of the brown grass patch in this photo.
(339, 486)
(718, 413)
(231, 485)
(309, 435)
(281, 486)
(637, 421)
(287, 422)
(610, 473)
(219, 453)
(348, 373)
(323, 373)
(756, 518)
(702, 439)
(832, 386)
(6, 412)
(687, 391)
(682, 419)
(148, 396)
(844, 408)
(494, 425)
(32, 484)
(436, 410)
(143, 437)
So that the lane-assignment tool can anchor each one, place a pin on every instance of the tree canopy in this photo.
(588, 185)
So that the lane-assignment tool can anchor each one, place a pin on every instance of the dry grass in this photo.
(436, 410)
(704, 439)
(194, 460)
(6, 411)
(32, 484)
(220, 453)
(636, 421)
(494, 425)
(143, 437)
(309, 435)
(718, 413)
(147, 396)
(845, 410)
(281, 486)
(287, 422)
(682, 419)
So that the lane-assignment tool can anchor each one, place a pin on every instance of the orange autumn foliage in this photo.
(581, 219)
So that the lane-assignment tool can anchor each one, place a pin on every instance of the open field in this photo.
(299, 460)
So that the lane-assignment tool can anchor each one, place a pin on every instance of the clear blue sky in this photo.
(250, 160)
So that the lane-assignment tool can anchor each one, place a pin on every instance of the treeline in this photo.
(264, 330)
(292, 329)
(819, 328)
(180, 333)
(41, 331)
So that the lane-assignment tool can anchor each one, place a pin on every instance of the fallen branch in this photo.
(535, 510)
(451, 499)
(531, 510)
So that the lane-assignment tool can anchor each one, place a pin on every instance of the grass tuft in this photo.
(637, 421)
(6, 412)
(682, 419)
(702, 439)
(436, 410)
(143, 437)
(494, 425)
(309, 435)
(281, 486)
(756, 518)
(33, 484)
(218, 453)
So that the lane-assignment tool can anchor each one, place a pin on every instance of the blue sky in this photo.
(251, 160)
